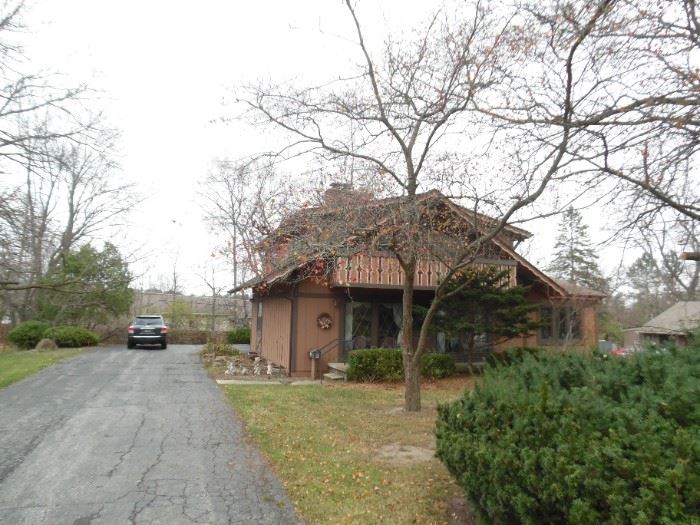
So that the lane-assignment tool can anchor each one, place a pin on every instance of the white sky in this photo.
(164, 67)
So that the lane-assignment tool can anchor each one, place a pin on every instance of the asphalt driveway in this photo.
(130, 436)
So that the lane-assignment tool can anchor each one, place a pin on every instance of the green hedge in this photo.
(239, 336)
(513, 355)
(386, 364)
(437, 366)
(375, 364)
(571, 439)
(27, 335)
(71, 336)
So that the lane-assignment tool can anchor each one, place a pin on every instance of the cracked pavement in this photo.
(130, 436)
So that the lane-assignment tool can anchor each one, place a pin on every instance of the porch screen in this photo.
(358, 325)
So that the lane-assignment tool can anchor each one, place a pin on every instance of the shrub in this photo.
(72, 336)
(46, 344)
(220, 349)
(513, 355)
(571, 439)
(375, 364)
(27, 335)
(437, 366)
(239, 336)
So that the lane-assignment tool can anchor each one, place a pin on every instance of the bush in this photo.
(220, 349)
(437, 366)
(571, 439)
(46, 344)
(239, 336)
(513, 355)
(386, 364)
(72, 336)
(375, 364)
(27, 335)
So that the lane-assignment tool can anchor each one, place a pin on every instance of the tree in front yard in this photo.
(408, 117)
(484, 304)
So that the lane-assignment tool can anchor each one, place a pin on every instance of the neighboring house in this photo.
(341, 299)
(673, 325)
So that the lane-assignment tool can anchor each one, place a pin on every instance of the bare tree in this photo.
(244, 200)
(633, 108)
(396, 116)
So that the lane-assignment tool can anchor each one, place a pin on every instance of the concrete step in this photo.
(340, 367)
(334, 376)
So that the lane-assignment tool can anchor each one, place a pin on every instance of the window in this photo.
(559, 324)
(358, 325)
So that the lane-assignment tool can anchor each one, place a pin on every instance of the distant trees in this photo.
(244, 201)
(574, 258)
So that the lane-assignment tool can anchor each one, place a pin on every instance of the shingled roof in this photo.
(679, 319)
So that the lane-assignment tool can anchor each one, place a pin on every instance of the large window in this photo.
(372, 324)
(559, 324)
(358, 325)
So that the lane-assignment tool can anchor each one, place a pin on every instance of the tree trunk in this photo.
(410, 367)
(412, 401)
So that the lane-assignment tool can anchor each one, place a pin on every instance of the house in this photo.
(673, 325)
(331, 284)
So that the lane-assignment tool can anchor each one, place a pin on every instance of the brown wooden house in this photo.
(319, 296)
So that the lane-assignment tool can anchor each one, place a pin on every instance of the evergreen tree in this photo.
(574, 259)
(88, 288)
(483, 303)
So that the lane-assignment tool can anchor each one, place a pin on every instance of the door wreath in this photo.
(324, 321)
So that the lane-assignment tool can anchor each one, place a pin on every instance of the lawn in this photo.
(348, 454)
(15, 366)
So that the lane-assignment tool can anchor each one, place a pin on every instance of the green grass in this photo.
(323, 442)
(15, 366)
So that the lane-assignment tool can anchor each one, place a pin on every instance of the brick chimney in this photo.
(343, 194)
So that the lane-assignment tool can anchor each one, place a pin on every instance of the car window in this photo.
(148, 321)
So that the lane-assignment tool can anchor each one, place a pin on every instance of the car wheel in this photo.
(130, 345)
(163, 346)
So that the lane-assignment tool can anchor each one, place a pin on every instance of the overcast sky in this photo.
(164, 67)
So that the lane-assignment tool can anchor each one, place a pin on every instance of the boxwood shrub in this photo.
(572, 439)
(239, 336)
(27, 335)
(71, 336)
(386, 364)
(375, 364)
(436, 365)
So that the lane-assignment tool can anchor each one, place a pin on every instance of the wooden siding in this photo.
(255, 345)
(276, 326)
(384, 271)
(314, 299)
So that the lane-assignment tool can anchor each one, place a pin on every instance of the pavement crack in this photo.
(131, 446)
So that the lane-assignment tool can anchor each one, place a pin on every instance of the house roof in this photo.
(581, 291)
(471, 217)
(679, 319)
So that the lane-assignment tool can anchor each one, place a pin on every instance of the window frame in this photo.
(560, 317)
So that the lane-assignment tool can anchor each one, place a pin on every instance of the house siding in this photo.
(314, 299)
(276, 326)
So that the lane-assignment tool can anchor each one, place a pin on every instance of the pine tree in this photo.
(574, 259)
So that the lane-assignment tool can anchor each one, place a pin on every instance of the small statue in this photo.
(231, 369)
(269, 370)
(256, 366)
